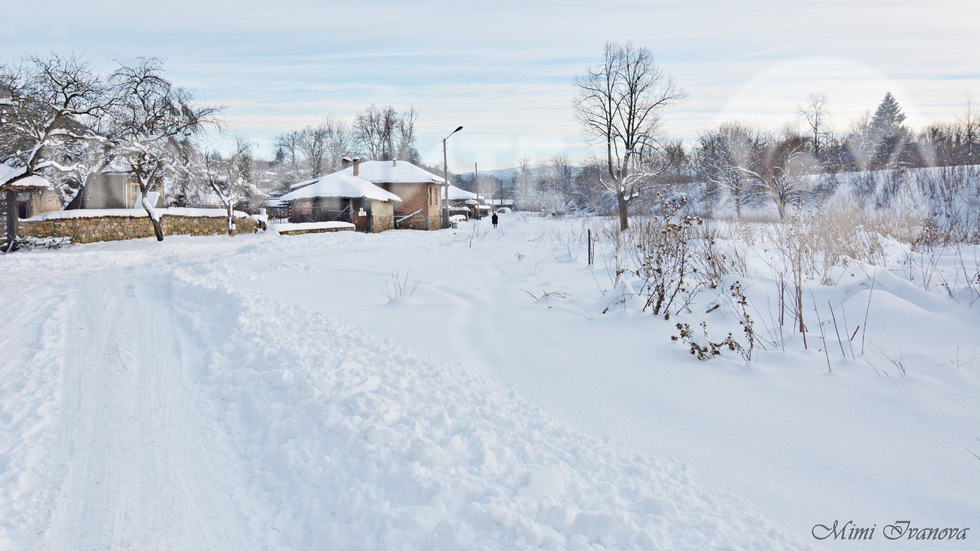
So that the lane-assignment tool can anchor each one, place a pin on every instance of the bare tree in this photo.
(384, 134)
(620, 102)
(525, 188)
(312, 152)
(287, 161)
(153, 127)
(721, 159)
(313, 149)
(340, 143)
(781, 169)
(815, 113)
(232, 179)
(49, 114)
(589, 193)
(558, 186)
(677, 162)
(405, 146)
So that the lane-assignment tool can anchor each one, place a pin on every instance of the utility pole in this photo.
(501, 193)
(445, 175)
(476, 183)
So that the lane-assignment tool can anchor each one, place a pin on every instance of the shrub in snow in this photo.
(399, 286)
(669, 257)
(704, 349)
(707, 350)
(30, 243)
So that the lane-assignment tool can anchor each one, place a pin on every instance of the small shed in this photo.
(33, 194)
(342, 198)
(23, 198)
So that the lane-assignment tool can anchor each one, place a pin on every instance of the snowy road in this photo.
(152, 399)
(123, 446)
(130, 442)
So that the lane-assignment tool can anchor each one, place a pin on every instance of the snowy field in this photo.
(463, 389)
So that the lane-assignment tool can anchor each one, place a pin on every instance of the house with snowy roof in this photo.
(420, 191)
(340, 197)
(33, 195)
(466, 202)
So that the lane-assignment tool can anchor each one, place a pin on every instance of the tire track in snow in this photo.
(129, 442)
(30, 332)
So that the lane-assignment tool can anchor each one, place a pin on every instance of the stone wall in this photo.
(381, 223)
(114, 228)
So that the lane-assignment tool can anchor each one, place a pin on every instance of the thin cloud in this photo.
(509, 67)
(764, 52)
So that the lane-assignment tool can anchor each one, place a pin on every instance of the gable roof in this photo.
(457, 194)
(386, 172)
(8, 173)
(340, 185)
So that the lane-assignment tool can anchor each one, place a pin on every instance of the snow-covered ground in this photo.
(462, 389)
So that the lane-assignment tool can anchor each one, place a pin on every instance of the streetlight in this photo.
(445, 175)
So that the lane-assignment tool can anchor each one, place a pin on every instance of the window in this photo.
(135, 196)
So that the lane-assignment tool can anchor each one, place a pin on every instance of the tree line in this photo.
(64, 120)
(620, 103)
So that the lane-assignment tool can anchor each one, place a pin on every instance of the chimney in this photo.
(345, 162)
(357, 166)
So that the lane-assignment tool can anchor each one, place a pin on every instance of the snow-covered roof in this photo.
(8, 172)
(304, 183)
(457, 194)
(341, 185)
(384, 172)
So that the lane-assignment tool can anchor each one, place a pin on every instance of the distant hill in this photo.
(506, 175)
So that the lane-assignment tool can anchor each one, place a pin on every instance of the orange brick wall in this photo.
(424, 197)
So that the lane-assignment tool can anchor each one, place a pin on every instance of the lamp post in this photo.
(445, 175)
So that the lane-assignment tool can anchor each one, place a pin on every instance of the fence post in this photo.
(11, 197)
(590, 246)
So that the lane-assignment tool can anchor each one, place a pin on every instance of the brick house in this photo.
(339, 197)
(420, 191)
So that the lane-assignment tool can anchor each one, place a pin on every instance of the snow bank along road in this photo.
(150, 400)
(805, 446)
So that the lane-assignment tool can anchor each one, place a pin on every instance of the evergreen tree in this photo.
(886, 136)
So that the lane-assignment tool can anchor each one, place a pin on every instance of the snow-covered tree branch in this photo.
(153, 126)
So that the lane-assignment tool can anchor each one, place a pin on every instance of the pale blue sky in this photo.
(504, 70)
